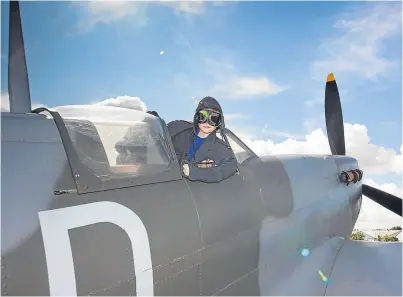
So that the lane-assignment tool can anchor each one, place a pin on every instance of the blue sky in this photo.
(266, 62)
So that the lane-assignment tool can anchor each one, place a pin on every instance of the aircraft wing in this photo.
(367, 268)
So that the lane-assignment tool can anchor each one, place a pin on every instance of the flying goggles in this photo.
(211, 117)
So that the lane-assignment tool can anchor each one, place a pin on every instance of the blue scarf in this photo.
(194, 147)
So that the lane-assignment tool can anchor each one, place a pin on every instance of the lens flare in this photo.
(324, 278)
(305, 252)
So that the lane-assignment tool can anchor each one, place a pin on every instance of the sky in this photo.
(266, 63)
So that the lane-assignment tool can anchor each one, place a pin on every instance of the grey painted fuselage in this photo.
(273, 229)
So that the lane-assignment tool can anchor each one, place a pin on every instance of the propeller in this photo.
(335, 134)
(334, 117)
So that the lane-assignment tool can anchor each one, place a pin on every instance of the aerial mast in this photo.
(18, 83)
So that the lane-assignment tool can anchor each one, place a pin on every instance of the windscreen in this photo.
(241, 154)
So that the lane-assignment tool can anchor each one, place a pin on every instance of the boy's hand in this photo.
(185, 170)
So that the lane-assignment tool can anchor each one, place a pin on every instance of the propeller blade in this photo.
(334, 117)
(18, 84)
(387, 200)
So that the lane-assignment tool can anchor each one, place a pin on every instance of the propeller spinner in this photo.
(335, 134)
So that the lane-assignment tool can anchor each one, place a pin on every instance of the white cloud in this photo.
(191, 7)
(357, 48)
(315, 143)
(107, 12)
(120, 111)
(244, 87)
(128, 102)
(194, 7)
(95, 12)
(219, 71)
(101, 113)
(230, 83)
(372, 159)
(373, 215)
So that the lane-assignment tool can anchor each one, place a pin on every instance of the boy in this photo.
(203, 156)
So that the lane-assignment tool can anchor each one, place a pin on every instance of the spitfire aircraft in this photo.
(75, 221)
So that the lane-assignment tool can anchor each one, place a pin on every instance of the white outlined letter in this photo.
(55, 224)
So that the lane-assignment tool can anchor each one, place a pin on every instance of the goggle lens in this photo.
(213, 118)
